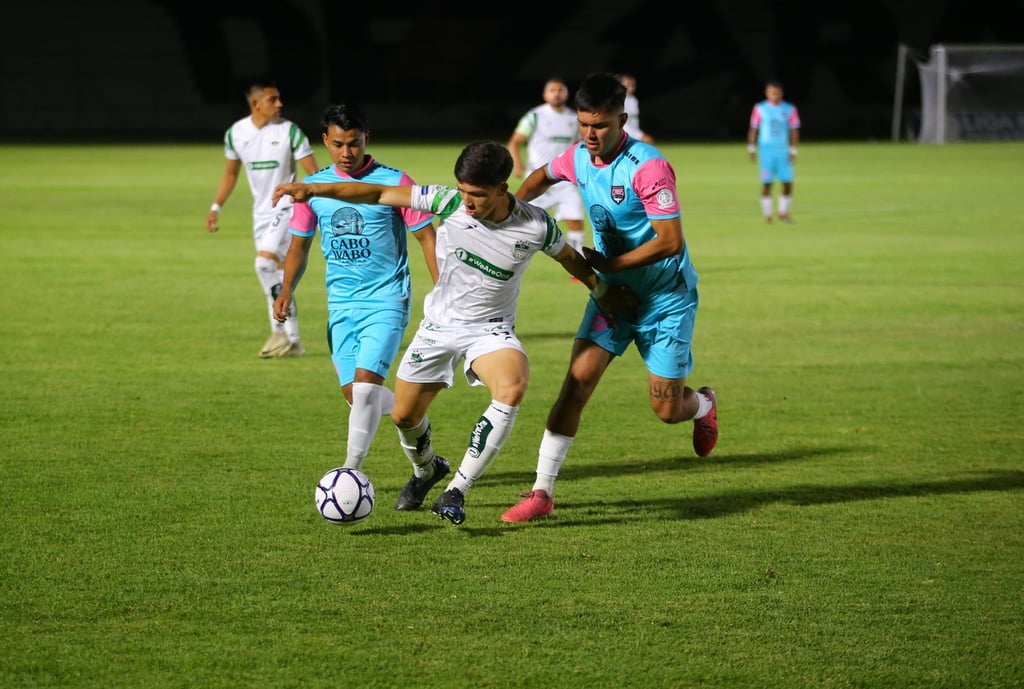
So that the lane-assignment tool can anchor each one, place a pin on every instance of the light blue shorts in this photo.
(367, 338)
(663, 333)
(774, 164)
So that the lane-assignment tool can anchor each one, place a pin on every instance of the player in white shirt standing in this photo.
(632, 109)
(484, 245)
(546, 131)
(269, 147)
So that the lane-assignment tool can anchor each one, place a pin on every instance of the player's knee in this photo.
(265, 266)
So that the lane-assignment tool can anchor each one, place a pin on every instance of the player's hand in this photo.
(281, 306)
(618, 300)
(596, 260)
(297, 190)
(211, 221)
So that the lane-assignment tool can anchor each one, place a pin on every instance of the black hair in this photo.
(346, 116)
(484, 163)
(600, 93)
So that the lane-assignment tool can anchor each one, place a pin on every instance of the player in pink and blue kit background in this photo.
(772, 140)
(629, 192)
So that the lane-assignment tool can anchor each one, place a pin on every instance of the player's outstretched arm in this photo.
(353, 192)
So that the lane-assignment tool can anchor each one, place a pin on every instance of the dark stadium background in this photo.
(169, 70)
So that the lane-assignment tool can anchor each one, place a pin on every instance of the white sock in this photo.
(387, 401)
(575, 239)
(363, 420)
(489, 435)
(291, 325)
(270, 280)
(766, 206)
(703, 405)
(416, 444)
(784, 202)
(553, 449)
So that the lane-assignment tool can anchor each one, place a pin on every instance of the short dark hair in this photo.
(484, 163)
(346, 116)
(773, 82)
(600, 92)
(257, 88)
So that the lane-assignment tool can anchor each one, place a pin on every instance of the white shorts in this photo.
(435, 350)
(270, 232)
(562, 200)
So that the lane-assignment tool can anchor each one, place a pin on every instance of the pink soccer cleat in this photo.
(537, 503)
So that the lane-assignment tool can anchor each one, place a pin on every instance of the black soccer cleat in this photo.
(451, 506)
(415, 491)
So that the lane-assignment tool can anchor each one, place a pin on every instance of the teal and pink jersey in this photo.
(621, 198)
(365, 246)
(773, 122)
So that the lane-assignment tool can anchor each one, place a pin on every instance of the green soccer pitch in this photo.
(860, 524)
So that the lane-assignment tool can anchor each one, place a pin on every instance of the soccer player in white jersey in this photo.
(269, 146)
(369, 284)
(632, 108)
(772, 140)
(485, 242)
(546, 131)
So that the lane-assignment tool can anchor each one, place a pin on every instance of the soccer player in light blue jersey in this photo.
(629, 191)
(369, 286)
(772, 140)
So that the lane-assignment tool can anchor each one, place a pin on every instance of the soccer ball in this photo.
(344, 496)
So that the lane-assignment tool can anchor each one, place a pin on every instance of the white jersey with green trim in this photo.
(548, 132)
(481, 264)
(268, 154)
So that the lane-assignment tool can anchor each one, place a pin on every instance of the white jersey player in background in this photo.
(546, 131)
(269, 147)
(484, 245)
(632, 109)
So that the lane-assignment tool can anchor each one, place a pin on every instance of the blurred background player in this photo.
(269, 146)
(772, 140)
(632, 107)
(369, 286)
(546, 131)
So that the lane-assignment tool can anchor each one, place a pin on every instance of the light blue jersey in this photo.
(773, 122)
(364, 245)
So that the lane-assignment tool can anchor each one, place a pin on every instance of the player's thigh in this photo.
(505, 372)
(479, 344)
(365, 338)
(665, 337)
(270, 232)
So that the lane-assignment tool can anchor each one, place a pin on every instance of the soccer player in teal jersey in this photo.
(369, 286)
(629, 191)
(772, 140)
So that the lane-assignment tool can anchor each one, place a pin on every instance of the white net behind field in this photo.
(972, 93)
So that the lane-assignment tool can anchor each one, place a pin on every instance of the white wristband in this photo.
(751, 148)
(600, 290)
(215, 208)
(792, 150)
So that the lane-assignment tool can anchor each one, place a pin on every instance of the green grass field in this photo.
(860, 524)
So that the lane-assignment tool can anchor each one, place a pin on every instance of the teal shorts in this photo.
(367, 338)
(662, 331)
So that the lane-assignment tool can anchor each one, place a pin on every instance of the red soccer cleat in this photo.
(537, 503)
(705, 429)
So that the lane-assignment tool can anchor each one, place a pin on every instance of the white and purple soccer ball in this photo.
(344, 496)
